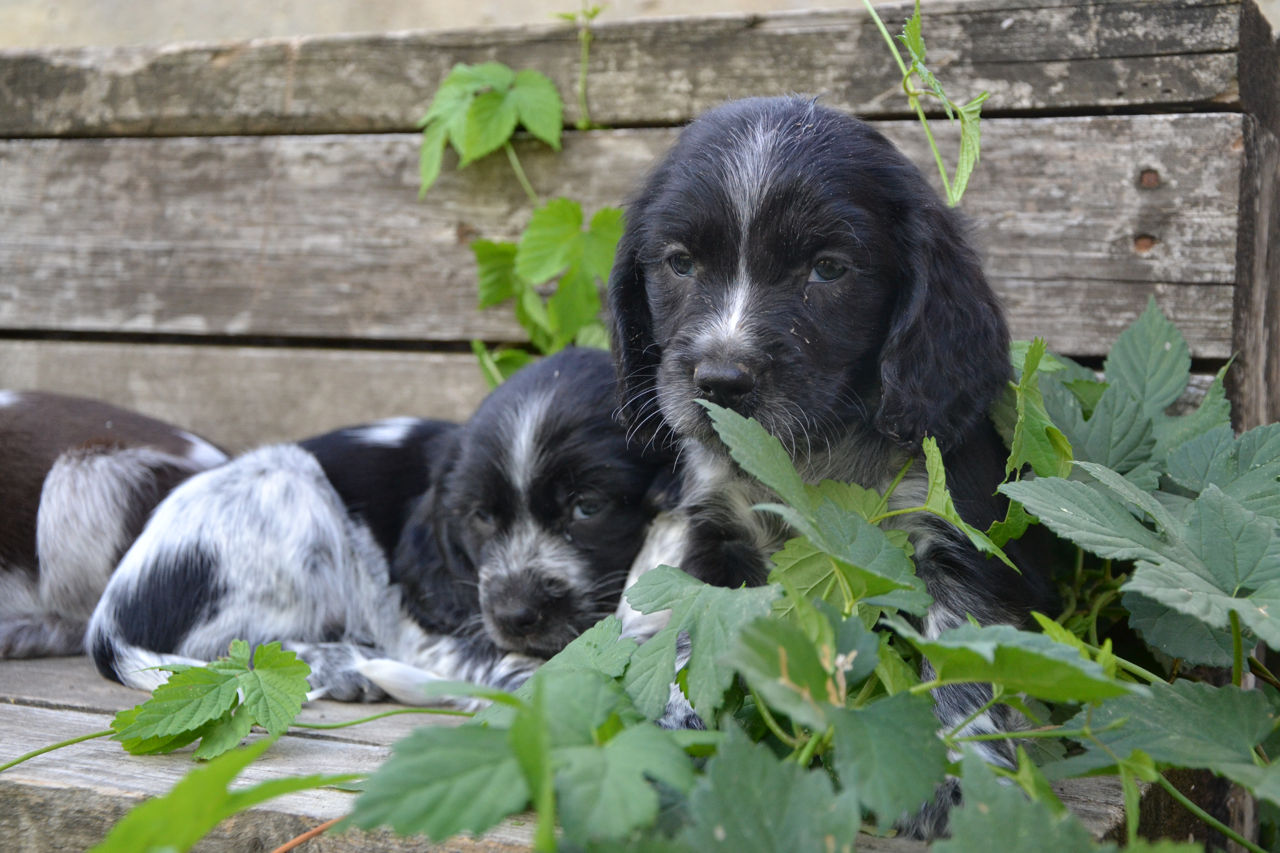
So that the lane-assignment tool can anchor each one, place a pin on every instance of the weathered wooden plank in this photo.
(69, 799)
(245, 396)
(643, 72)
(323, 237)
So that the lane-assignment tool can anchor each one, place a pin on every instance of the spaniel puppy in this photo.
(786, 261)
(403, 551)
(78, 478)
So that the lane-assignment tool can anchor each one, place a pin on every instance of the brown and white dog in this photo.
(78, 479)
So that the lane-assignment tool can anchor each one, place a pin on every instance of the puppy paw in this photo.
(403, 683)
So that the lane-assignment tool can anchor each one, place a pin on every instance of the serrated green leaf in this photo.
(187, 701)
(970, 143)
(1183, 724)
(780, 662)
(785, 807)
(1088, 517)
(650, 673)
(530, 741)
(889, 752)
(1175, 634)
(939, 502)
(538, 106)
(479, 77)
(154, 745)
(759, 453)
(1036, 785)
(490, 121)
(575, 303)
(1119, 434)
(605, 793)
(443, 781)
(1088, 392)
(1213, 412)
(1015, 523)
(275, 687)
(1151, 361)
(912, 37)
(551, 242)
(1036, 440)
(434, 137)
(998, 817)
(1020, 661)
(223, 735)
(1228, 561)
(198, 803)
(894, 673)
(712, 616)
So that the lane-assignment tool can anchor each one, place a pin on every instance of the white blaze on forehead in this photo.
(388, 433)
(523, 452)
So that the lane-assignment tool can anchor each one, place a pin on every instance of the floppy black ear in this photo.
(947, 353)
(635, 352)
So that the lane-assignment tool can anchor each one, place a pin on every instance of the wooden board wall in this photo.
(173, 220)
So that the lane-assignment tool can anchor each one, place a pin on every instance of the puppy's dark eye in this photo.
(826, 270)
(482, 519)
(586, 506)
(681, 264)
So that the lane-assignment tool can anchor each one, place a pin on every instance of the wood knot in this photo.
(1144, 243)
(1149, 179)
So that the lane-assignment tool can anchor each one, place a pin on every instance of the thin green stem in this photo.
(1096, 610)
(893, 487)
(448, 712)
(1261, 672)
(906, 510)
(893, 48)
(51, 747)
(937, 155)
(805, 756)
(771, 723)
(520, 175)
(1131, 668)
(1237, 650)
(1046, 731)
(982, 709)
(926, 686)
(868, 687)
(1205, 816)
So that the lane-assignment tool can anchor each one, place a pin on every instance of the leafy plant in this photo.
(552, 273)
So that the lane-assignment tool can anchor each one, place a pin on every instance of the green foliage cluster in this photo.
(552, 273)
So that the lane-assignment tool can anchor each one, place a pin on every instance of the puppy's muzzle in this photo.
(724, 383)
(525, 604)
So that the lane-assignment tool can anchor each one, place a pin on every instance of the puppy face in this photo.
(550, 502)
(787, 262)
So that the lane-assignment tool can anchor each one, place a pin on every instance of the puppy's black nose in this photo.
(723, 383)
(517, 616)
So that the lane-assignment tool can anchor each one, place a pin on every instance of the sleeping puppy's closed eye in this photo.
(786, 261)
(457, 552)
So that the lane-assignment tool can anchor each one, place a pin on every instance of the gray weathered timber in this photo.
(323, 237)
(242, 397)
(1060, 56)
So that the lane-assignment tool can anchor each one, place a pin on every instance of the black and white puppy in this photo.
(786, 261)
(78, 478)
(400, 552)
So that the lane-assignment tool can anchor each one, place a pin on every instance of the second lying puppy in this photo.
(469, 552)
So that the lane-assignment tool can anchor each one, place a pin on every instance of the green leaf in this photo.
(713, 617)
(187, 701)
(434, 137)
(538, 106)
(551, 241)
(1246, 469)
(999, 817)
(530, 740)
(199, 802)
(970, 142)
(760, 454)
(1119, 434)
(650, 672)
(478, 78)
(1213, 412)
(1020, 661)
(575, 303)
(496, 270)
(889, 752)
(489, 123)
(1229, 561)
(1088, 517)
(939, 502)
(604, 791)
(783, 664)
(1183, 724)
(784, 806)
(1177, 634)
(222, 735)
(1036, 440)
(600, 243)
(1151, 361)
(443, 781)
(275, 687)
